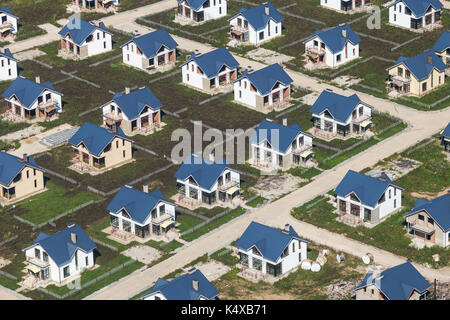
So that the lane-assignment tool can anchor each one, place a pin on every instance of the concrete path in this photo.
(50, 36)
(8, 294)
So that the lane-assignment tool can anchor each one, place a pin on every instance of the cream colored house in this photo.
(417, 75)
(97, 149)
(442, 47)
(19, 178)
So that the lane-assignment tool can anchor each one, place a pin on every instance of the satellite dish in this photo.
(340, 257)
(367, 258)
(315, 267)
(306, 265)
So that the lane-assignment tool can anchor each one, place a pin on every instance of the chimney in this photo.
(38, 79)
(285, 121)
(266, 10)
(344, 33)
(73, 237)
(145, 188)
(127, 90)
(25, 157)
(195, 285)
(114, 128)
(430, 59)
(286, 228)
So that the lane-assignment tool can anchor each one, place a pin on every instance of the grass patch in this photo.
(256, 202)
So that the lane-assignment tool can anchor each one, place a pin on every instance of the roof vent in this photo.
(128, 186)
(71, 225)
(430, 59)
(127, 90)
(269, 119)
(344, 33)
(285, 121)
(286, 228)
(266, 10)
(192, 270)
(25, 157)
(195, 285)
(73, 237)
(145, 188)
(38, 79)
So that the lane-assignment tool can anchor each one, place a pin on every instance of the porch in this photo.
(69, 50)
(421, 232)
(315, 55)
(44, 112)
(101, 5)
(162, 62)
(240, 32)
(83, 162)
(277, 100)
(6, 29)
(184, 15)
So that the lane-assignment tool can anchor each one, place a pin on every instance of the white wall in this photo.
(331, 57)
(11, 20)
(387, 207)
(366, 111)
(97, 45)
(274, 28)
(190, 75)
(247, 96)
(53, 95)
(130, 51)
(401, 18)
(8, 69)
(217, 9)
(332, 4)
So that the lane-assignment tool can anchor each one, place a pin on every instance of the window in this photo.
(117, 144)
(192, 67)
(66, 272)
(187, 78)
(338, 58)
(421, 217)
(276, 29)
(390, 193)
(128, 57)
(400, 9)
(123, 142)
(3, 63)
(261, 35)
(123, 153)
(424, 86)
(316, 43)
(35, 183)
(395, 203)
(104, 34)
(240, 94)
(37, 253)
(45, 256)
(372, 291)
(87, 261)
(383, 198)
(104, 45)
(293, 246)
(157, 298)
(285, 252)
(34, 172)
(395, 17)
(98, 36)
(220, 10)
(395, 192)
(430, 221)
(28, 174)
(400, 71)
(9, 73)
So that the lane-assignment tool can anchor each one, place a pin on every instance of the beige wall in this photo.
(25, 186)
(415, 85)
(438, 237)
(367, 294)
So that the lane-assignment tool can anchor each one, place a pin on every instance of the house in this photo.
(401, 282)
(8, 65)
(97, 149)
(60, 257)
(81, 39)
(345, 5)
(335, 115)
(97, 4)
(197, 11)
(333, 47)
(442, 47)
(189, 286)
(256, 25)
(134, 112)
(430, 220)
(275, 145)
(265, 90)
(366, 198)
(211, 71)
(417, 75)
(141, 213)
(445, 138)
(26, 99)
(8, 28)
(153, 51)
(203, 182)
(271, 251)
(415, 14)
(19, 178)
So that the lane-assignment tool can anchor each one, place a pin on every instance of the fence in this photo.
(8, 275)
(60, 176)
(191, 213)
(9, 240)
(419, 146)
(105, 244)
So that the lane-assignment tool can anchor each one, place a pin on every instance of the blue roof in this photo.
(95, 138)
(397, 283)
(438, 209)
(334, 39)
(181, 288)
(79, 29)
(7, 54)
(420, 7)
(60, 247)
(137, 204)
(212, 62)
(26, 91)
(257, 16)
(7, 10)
(204, 172)
(133, 103)
(419, 65)
(269, 241)
(279, 136)
(368, 189)
(150, 43)
(266, 78)
(339, 106)
(10, 166)
(194, 4)
(443, 42)
(446, 132)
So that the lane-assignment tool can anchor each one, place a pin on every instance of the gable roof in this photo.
(10, 166)
(133, 103)
(59, 245)
(181, 288)
(95, 138)
(279, 136)
(334, 38)
(446, 132)
(204, 172)
(339, 106)
(194, 4)
(212, 62)
(368, 189)
(27, 91)
(443, 42)
(7, 9)
(265, 79)
(150, 43)
(79, 29)
(419, 65)
(397, 283)
(269, 241)
(136, 203)
(7, 54)
(257, 16)
(438, 209)
(419, 7)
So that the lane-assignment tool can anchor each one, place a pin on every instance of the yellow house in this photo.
(442, 47)
(417, 75)
(96, 149)
(19, 178)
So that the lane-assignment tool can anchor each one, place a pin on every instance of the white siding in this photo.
(348, 53)
(332, 4)
(8, 69)
(131, 56)
(101, 42)
(190, 75)
(270, 31)
(243, 94)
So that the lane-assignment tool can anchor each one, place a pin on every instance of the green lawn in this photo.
(186, 222)
(256, 202)
(53, 202)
